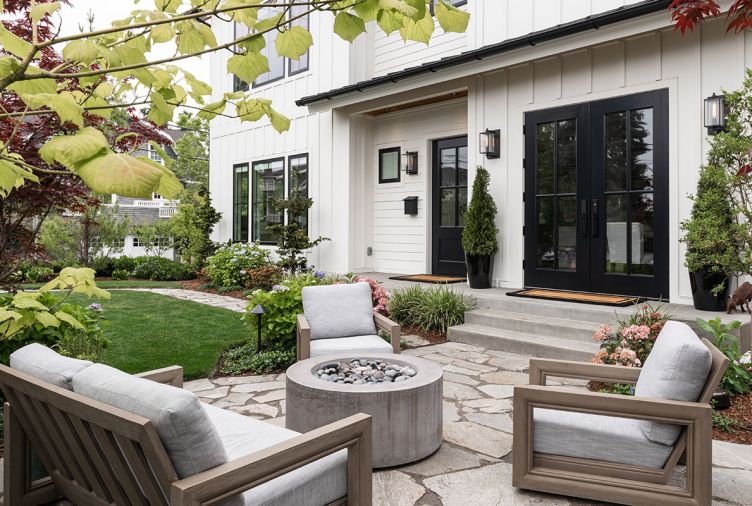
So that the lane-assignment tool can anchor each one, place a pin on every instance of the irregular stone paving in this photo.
(473, 466)
(208, 299)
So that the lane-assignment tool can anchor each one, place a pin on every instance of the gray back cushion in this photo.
(47, 365)
(191, 440)
(344, 310)
(676, 369)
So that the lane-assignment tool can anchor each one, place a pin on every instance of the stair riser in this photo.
(531, 348)
(597, 315)
(540, 327)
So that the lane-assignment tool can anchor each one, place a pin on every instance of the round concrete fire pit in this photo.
(407, 415)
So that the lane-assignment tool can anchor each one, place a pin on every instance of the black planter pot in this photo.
(702, 283)
(479, 270)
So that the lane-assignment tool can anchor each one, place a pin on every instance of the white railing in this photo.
(147, 203)
(167, 212)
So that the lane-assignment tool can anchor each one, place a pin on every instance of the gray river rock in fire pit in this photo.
(361, 371)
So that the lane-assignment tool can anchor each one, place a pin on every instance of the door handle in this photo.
(595, 217)
(584, 217)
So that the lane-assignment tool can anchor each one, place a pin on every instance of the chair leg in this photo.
(360, 470)
(699, 456)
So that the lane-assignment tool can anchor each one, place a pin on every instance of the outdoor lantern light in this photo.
(258, 311)
(715, 114)
(490, 142)
(411, 162)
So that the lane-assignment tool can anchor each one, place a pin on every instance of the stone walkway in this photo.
(208, 299)
(473, 466)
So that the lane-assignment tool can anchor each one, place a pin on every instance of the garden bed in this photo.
(202, 285)
(740, 412)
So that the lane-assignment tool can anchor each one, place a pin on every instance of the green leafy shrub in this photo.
(231, 264)
(47, 317)
(103, 266)
(264, 278)
(281, 306)
(432, 309)
(162, 269)
(127, 264)
(120, 274)
(738, 377)
(479, 234)
(38, 274)
(244, 359)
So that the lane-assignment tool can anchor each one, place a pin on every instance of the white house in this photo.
(599, 111)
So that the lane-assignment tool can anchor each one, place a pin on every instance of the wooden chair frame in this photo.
(303, 334)
(606, 481)
(97, 454)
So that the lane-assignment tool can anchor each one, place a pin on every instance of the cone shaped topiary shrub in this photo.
(479, 235)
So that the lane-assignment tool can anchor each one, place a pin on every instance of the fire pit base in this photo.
(407, 415)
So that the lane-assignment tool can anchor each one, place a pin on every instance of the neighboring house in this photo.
(147, 211)
(599, 110)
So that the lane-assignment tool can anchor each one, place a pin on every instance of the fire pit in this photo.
(402, 393)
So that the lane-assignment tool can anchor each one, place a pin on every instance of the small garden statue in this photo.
(740, 299)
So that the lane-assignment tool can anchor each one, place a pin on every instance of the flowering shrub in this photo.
(379, 294)
(630, 344)
(232, 264)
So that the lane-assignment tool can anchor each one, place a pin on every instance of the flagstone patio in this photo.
(473, 467)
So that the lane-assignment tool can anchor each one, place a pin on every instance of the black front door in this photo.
(449, 205)
(596, 196)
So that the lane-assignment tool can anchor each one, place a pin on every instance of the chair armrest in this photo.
(540, 368)
(394, 329)
(353, 433)
(172, 375)
(303, 337)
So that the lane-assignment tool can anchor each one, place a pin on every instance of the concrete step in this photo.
(553, 309)
(523, 343)
(532, 324)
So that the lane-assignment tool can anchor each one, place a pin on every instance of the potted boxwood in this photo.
(712, 253)
(479, 236)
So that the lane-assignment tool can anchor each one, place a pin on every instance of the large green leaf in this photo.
(403, 7)
(160, 111)
(38, 11)
(248, 66)
(69, 319)
(348, 26)
(194, 36)
(128, 176)
(293, 42)
(83, 51)
(47, 319)
(73, 150)
(14, 44)
(32, 86)
(63, 104)
(246, 16)
(7, 315)
(388, 21)
(28, 300)
(162, 33)
(451, 19)
(367, 10)
(8, 65)
(210, 111)
(13, 176)
(419, 31)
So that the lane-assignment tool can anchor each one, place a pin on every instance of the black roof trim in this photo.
(529, 40)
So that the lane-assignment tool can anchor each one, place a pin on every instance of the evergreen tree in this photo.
(479, 235)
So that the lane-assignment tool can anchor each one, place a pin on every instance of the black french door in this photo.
(449, 205)
(596, 196)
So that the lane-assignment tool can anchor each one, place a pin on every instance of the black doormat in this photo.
(582, 298)
(429, 278)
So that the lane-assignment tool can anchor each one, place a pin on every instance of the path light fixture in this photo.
(411, 162)
(715, 114)
(490, 143)
(259, 312)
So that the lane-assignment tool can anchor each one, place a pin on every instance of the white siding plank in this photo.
(608, 66)
(577, 76)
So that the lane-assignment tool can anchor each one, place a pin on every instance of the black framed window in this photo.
(136, 242)
(297, 179)
(389, 165)
(240, 30)
(240, 203)
(268, 186)
(301, 64)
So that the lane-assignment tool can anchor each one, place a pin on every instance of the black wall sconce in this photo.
(490, 143)
(411, 162)
(715, 114)
(411, 205)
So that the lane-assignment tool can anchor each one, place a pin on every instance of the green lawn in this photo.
(127, 283)
(148, 331)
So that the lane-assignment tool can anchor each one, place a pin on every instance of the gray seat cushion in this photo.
(47, 365)
(596, 437)
(316, 484)
(187, 433)
(339, 310)
(355, 345)
(676, 369)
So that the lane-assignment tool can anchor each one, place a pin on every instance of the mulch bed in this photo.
(741, 411)
(431, 337)
(200, 285)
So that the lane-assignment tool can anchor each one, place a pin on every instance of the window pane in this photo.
(462, 166)
(462, 195)
(448, 167)
(545, 158)
(567, 173)
(448, 207)
(642, 234)
(567, 248)
(389, 165)
(298, 180)
(616, 233)
(276, 62)
(301, 64)
(641, 138)
(241, 30)
(545, 229)
(240, 204)
(268, 186)
(616, 151)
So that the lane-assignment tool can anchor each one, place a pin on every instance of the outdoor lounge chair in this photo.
(106, 437)
(619, 448)
(339, 319)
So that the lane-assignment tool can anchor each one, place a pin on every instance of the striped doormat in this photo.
(429, 278)
(584, 298)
